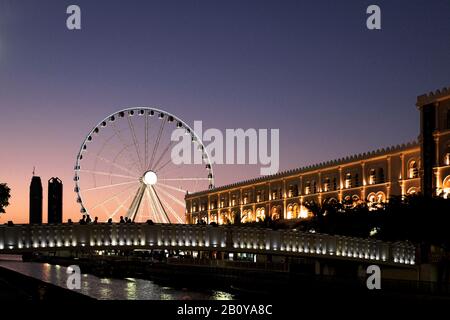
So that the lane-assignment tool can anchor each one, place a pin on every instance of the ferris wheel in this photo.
(125, 167)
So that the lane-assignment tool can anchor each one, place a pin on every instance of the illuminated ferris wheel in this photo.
(125, 167)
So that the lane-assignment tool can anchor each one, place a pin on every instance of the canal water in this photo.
(109, 288)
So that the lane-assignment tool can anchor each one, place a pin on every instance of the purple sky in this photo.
(311, 69)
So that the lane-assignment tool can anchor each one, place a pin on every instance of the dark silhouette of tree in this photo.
(4, 196)
(424, 221)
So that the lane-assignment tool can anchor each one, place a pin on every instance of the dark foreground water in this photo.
(109, 288)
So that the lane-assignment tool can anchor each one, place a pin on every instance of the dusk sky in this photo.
(310, 69)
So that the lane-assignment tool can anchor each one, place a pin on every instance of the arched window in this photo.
(260, 214)
(293, 211)
(411, 191)
(356, 180)
(331, 200)
(375, 200)
(381, 197)
(276, 213)
(334, 184)
(314, 187)
(446, 187)
(371, 198)
(413, 171)
(247, 216)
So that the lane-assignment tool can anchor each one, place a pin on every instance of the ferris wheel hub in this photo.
(150, 178)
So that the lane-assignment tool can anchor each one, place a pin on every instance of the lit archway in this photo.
(226, 217)
(260, 214)
(293, 211)
(381, 197)
(413, 170)
(275, 213)
(446, 187)
(247, 216)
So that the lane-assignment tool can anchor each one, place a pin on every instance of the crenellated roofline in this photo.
(431, 97)
(318, 166)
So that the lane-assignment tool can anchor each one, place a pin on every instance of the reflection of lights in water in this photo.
(220, 295)
(113, 289)
(131, 290)
(165, 296)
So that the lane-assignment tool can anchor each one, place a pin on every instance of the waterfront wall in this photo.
(31, 238)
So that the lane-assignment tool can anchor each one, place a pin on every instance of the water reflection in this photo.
(112, 289)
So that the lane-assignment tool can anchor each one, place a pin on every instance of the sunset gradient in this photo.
(313, 71)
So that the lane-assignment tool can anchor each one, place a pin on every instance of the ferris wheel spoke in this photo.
(155, 148)
(121, 206)
(117, 133)
(111, 198)
(101, 173)
(146, 142)
(174, 213)
(172, 187)
(164, 165)
(110, 186)
(133, 165)
(112, 163)
(135, 142)
(164, 152)
(183, 179)
(171, 196)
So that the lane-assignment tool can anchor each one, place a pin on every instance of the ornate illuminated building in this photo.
(421, 166)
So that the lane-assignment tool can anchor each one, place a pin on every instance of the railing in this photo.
(26, 238)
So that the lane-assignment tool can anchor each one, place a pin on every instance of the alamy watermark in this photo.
(74, 279)
(236, 146)
(374, 279)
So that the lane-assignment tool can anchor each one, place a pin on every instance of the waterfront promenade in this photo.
(18, 239)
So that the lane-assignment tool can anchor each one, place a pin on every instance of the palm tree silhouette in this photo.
(4, 196)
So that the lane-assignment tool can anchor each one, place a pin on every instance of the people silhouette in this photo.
(121, 220)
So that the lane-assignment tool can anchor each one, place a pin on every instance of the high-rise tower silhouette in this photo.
(35, 200)
(55, 200)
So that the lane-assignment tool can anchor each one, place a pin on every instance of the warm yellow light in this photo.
(304, 213)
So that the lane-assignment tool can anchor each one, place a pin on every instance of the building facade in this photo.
(55, 200)
(35, 200)
(421, 166)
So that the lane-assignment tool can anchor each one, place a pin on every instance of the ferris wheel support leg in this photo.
(135, 204)
(160, 204)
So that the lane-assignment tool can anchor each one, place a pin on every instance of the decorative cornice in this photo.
(306, 169)
(432, 97)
